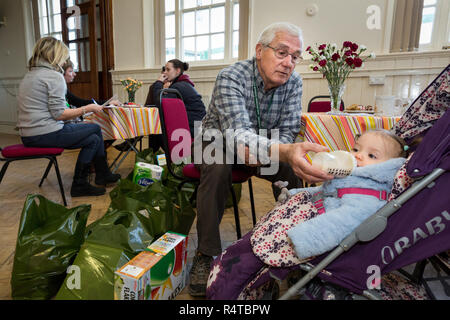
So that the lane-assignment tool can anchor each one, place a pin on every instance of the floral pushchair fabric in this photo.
(429, 107)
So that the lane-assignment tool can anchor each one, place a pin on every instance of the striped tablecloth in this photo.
(125, 123)
(337, 132)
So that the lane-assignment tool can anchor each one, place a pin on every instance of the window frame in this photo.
(36, 4)
(441, 28)
(159, 27)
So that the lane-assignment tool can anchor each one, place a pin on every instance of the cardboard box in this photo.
(158, 273)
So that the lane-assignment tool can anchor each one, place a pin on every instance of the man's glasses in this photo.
(283, 53)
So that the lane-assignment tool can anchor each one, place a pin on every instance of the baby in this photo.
(345, 203)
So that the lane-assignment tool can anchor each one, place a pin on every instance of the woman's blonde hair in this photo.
(50, 50)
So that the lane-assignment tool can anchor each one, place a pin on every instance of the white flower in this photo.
(213, 275)
(363, 47)
(372, 55)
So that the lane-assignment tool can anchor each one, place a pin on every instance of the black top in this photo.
(192, 99)
(78, 102)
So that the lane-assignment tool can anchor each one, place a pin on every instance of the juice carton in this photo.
(157, 273)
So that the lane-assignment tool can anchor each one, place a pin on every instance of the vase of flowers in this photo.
(131, 86)
(336, 64)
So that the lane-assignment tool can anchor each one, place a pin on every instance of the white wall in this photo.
(335, 22)
(128, 34)
(13, 61)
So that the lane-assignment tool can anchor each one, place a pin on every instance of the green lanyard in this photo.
(255, 96)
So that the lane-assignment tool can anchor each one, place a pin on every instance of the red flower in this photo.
(316, 68)
(358, 62)
(309, 48)
(347, 44)
(322, 62)
(349, 61)
(348, 53)
(335, 56)
(322, 46)
(354, 46)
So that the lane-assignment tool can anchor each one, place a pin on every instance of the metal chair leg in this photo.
(58, 175)
(252, 201)
(46, 172)
(236, 213)
(2, 173)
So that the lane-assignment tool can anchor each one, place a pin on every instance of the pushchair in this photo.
(413, 227)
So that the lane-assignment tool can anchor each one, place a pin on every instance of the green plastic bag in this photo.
(94, 277)
(110, 242)
(167, 208)
(149, 156)
(49, 238)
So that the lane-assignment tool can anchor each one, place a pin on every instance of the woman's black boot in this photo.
(81, 186)
(103, 175)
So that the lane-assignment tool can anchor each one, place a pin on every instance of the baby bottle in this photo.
(338, 163)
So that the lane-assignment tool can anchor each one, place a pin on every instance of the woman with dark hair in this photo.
(173, 77)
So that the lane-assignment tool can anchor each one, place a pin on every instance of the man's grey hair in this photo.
(270, 32)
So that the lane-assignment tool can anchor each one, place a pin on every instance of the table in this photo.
(126, 123)
(337, 132)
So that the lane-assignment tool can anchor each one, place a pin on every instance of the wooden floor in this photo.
(22, 178)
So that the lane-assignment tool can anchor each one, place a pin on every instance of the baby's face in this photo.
(372, 148)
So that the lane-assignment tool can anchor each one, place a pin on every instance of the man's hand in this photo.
(249, 159)
(294, 154)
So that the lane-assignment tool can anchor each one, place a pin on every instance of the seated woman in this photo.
(314, 220)
(173, 77)
(74, 101)
(42, 111)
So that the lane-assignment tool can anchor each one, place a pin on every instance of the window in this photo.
(50, 21)
(435, 26)
(428, 19)
(201, 30)
(49, 18)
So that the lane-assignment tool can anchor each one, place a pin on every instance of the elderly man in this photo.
(253, 97)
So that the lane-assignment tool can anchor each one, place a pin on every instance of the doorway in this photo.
(86, 28)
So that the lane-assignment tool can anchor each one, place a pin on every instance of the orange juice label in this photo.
(165, 243)
(140, 264)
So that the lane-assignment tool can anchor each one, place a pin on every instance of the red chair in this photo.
(20, 152)
(322, 106)
(173, 116)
